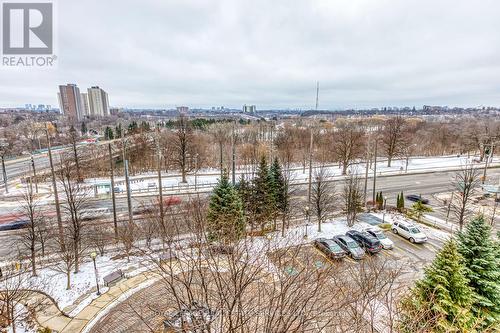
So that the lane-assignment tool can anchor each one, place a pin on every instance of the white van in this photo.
(409, 231)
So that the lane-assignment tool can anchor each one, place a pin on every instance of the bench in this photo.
(111, 279)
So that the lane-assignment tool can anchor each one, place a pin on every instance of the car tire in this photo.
(395, 231)
(412, 240)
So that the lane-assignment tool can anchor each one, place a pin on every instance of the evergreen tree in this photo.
(225, 219)
(398, 202)
(441, 300)
(279, 190)
(108, 133)
(402, 202)
(482, 267)
(84, 128)
(263, 197)
(418, 209)
(118, 131)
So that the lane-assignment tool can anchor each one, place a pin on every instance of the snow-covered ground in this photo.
(82, 283)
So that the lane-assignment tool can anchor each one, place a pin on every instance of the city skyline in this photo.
(364, 54)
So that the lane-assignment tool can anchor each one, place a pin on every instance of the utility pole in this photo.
(56, 195)
(127, 183)
(112, 175)
(129, 197)
(233, 143)
(3, 146)
(366, 172)
(4, 174)
(310, 173)
(375, 170)
(34, 173)
(160, 183)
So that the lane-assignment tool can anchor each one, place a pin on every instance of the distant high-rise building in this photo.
(182, 109)
(249, 108)
(70, 101)
(98, 102)
(85, 104)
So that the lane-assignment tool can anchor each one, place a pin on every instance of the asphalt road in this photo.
(423, 184)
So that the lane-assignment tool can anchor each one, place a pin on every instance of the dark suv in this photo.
(366, 241)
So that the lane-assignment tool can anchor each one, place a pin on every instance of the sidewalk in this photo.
(52, 318)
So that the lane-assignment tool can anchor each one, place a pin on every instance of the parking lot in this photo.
(413, 257)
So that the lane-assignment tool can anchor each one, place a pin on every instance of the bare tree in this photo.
(220, 132)
(30, 207)
(352, 196)
(126, 238)
(66, 255)
(322, 196)
(393, 137)
(465, 182)
(182, 145)
(99, 236)
(75, 203)
(15, 285)
(347, 144)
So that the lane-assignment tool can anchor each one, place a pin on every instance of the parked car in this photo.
(330, 248)
(417, 198)
(19, 224)
(350, 246)
(387, 244)
(366, 241)
(409, 231)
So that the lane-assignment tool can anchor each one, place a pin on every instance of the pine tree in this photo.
(84, 128)
(482, 267)
(398, 202)
(263, 197)
(118, 131)
(402, 203)
(418, 209)
(245, 190)
(279, 189)
(225, 219)
(441, 300)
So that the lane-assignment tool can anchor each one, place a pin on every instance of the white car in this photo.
(387, 244)
(376, 232)
(409, 231)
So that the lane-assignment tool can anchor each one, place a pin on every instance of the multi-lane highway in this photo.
(424, 184)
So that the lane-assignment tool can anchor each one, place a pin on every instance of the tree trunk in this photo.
(33, 259)
(68, 279)
(389, 160)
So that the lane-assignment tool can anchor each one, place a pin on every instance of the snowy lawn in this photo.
(83, 283)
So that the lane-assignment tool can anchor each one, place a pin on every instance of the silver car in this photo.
(350, 246)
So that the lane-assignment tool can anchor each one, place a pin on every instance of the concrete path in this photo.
(49, 316)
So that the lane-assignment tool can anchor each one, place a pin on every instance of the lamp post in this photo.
(306, 211)
(93, 255)
(385, 202)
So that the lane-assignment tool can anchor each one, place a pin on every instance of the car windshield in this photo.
(333, 246)
(352, 245)
(380, 235)
(414, 230)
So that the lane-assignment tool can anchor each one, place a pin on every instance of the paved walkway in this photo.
(49, 316)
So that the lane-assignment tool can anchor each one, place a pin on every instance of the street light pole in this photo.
(93, 255)
(375, 170)
(113, 198)
(3, 146)
(54, 184)
(4, 174)
(34, 173)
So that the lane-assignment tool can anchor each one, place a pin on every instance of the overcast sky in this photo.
(369, 53)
